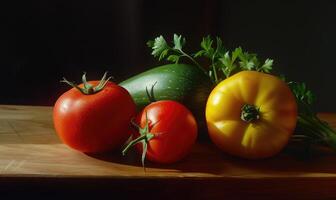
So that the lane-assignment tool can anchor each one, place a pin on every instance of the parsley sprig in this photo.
(313, 129)
(173, 53)
(223, 62)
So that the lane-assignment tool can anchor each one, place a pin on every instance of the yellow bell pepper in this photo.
(251, 115)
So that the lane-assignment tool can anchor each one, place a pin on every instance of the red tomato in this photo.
(96, 122)
(172, 130)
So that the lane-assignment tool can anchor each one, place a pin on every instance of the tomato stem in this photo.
(249, 113)
(132, 143)
(88, 88)
(150, 94)
(144, 138)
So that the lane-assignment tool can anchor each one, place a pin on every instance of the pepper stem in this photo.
(88, 88)
(249, 113)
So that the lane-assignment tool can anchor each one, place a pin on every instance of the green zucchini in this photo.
(186, 84)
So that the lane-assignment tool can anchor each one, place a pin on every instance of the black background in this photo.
(42, 41)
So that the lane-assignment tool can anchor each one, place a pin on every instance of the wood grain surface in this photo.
(31, 154)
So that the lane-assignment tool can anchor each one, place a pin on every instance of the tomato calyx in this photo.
(249, 113)
(88, 88)
(144, 138)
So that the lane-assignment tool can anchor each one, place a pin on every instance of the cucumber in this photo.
(186, 84)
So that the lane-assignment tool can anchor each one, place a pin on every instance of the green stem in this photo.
(193, 60)
(318, 129)
(145, 137)
(74, 85)
(150, 94)
(88, 89)
(215, 73)
(214, 66)
(132, 143)
(249, 113)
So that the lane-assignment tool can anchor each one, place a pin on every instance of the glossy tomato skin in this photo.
(261, 138)
(97, 122)
(174, 128)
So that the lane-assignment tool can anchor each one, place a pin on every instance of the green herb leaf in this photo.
(179, 42)
(228, 63)
(301, 92)
(235, 54)
(207, 49)
(220, 50)
(173, 58)
(249, 61)
(226, 60)
(160, 47)
(247, 65)
(206, 43)
(150, 43)
(162, 50)
(267, 66)
(200, 53)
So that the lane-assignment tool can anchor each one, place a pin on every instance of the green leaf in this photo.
(310, 97)
(248, 61)
(236, 53)
(200, 53)
(247, 65)
(228, 64)
(255, 60)
(160, 47)
(220, 50)
(163, 54)
(267, 66)
(207, 49)
(179, 42)
(242, 57)
(301, 92)
(173, 58)
(206, 43)
(226, 60)
(150, 43)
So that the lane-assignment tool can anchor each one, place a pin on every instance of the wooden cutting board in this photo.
(31, 155)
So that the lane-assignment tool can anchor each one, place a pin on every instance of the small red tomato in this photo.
(167, 131)
(95, 116)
